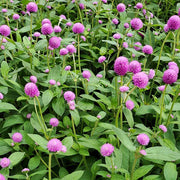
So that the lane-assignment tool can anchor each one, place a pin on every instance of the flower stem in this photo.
(129, 93)
(50, 157)
(74, 130)
(75, 79)
(64, 62)
(133, 167)
(79, 55)
(31, 28)
(104, 70)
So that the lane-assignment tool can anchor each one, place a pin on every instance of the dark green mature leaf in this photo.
(17, 176)
(90, 118)
(153, 177)
(176, 106)
(6, 107)
(12, 120)
(47, 97)
(4, 149)
(4, 69)
(16, 157)
(147, 109)
(144, 128)
(26, 28)
(75, 176)
(129, 117)
(75, 116)
(34, 163)
(170, 172)
(58, 105)
(85, 104)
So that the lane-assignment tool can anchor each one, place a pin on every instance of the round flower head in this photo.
(126, 25)
(62, 16)
(121, 7)
(99, 116)
(81, 5)
(5, 30)
(140, 79)
(67, 68)
(86, 74)
(175, 68)
(83, 38)
(136, 46)
(17, 137)
(172, 63)
(52, 82)
(115, 21)
(37, 34)
(147, 49)
(166, 28)
(71, 105)
(16, 16)
(26, 170)
(136, 23)
(46, 29)
(143, 139)
(170, 76)
(129, 104)
(71, 49)
(124, 88)
(32, 7)
(163, 128)
(144, 11)
(107, 149)
(63, 51)
(28, 116)
(78, 28)
(69, 24)
(117, 36)
(57, 29)
(46, 71)
(139, 5)
(54, 42)
(54, 122)
(100, 21)
(1, 96)
(4, 10)
(69, 96)
(2, 177)
(101, 59)
(33, 79)
(151, 74)
(63, 149)
(54, 145)
(4, 162)
(99, 75)
(31, 89)
(143, 152)
(161, 88)
(121, 65)
(129, 34)
(125, 44)
(58, 83)
(174, 22)
(49, 7)
(44, 21)
(134, 67)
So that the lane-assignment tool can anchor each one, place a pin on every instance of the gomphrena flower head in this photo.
(140, 79)
(134, 67)
(28, 116)
(136, 47)
(25, 170)
(129, 34)
(71, 48)
(161, 88)
(54, 122)
(166, 28)
(2, 177)
(175, 68)
(71, 105)
(33, 79)
(17, 137)
(126, 25)
(31, 89)
(69, 96)
(121, 7)
(83, 38)
(68, 24)
(104, 1)
(46, 29)
(163, 128)
(37, 34)
(115, 21)
(129, 104)
(143, 152)
(101, 59)
(139, 5)
(1, 96)
(172, 63)
(81, 5)
(124, 88)
(125, 44)
(57, 29)
(64, 148)
(99, 75)
(63, 51)
(143, 139)
(86, 74)
(117, 36)
(16, 16)
(107, 149)
(52, 82)
(170, 76)
(136, 23)
(54, 42)
(54, 145)
(121, 65)
(5, 30)
(151, 74)
(32, 7)
(174, 22)
(78, 28)
(67, 68)
(4, 10)
(147, 49)
(4, 162)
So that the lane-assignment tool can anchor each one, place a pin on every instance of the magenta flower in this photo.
(172, 63)
(57, 29)
(33, 79)
(140, 80)
(83, 38)
(134, 67)
(121, 65)
(143, 139)
(170, 76)
(115, 21)
(151, 74)
(44, 21)
(16, 16)
(68, 24)
(179, 12)
(101, 59)
(2, 177)
(166, 28)
(54, 42)
(46, 29)
(129, 104)
(125, 44)
(71, 49)
(175, 68)
(17, 137)
(126, 25)
(107, 149)
(54, 122)
(4, 162)
(69, 96)
(4, 10)
(143, 152)
(124, 88)
(117, 36)
(121, 7)
(163, 128)
(99, 75)
(63, 149)
(100, 21)
(63, 51)
(67, 68)
(54, 145)
(5, 30)
(36, 34)
(52, 82)
(174, 22)
(31, 89)
(136, 47)
(147, 49)
(86, 74)
(139, 5)
(129, 34)
(71, 105)
(32, 7)
(104, 1)
(161, 88)
(78, 28)
(136, 23)
(1, 96)
(26, 170)
(81, 5)
(144, 11)
(28, 116)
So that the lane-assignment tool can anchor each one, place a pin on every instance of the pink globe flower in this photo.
(121, 65)
(129, 34)
(147, 49)
(117, 36)
(63, 51)
(129, 104)
(52, 82)
(143, 139)
(69, 96)
(174, 22)
(62, 16)
(58, 83)
(54, 145)
(101, 59)
(172, 63)
(32, 7)
(144, 11)
(71, 49)
(4, 10)
(5, 30)
(125, 44)
(54, 122)
(33, 79)
(46, 29)
(4, 162)
(166, 28)
(57, 29)
(44, 21)
(124, 88)
(151, 74)
(63, 149)
(100, 21)
(37, 34)
(134, 67)
(81, 5)
(161, 88)
(54, 42)
(83, 38)
(140, 80)
(28, 116)
(99, 75)
(136, 47)
(104, 1)
(17, 137)
(175, 68)
(136, 23)
(16, 16)
(67, 68)
(163, 128)
(121, 7)
(143, 152)
(170, 76)
(95, 3)
(68, 24)
(115, 21)
(107, 149)
(139, 5)
(1, 96)
(71, 105)
(126, 25)
(46, 71)
(31, 89)
(78, 28)
(2, 177)
(86, 74)
(25, 170)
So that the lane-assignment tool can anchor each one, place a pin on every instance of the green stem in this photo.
(117, 116)
(174, 46)
(31, 28)
(64, 62)
(96, 123)
(79, 54)
(50, 157)
(74, 130)
(129, 93)
(79, 11)
(145, 64)
(104, 70)
(133, 167)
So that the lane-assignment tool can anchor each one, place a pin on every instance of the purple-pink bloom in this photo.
(136, 47)
(124, 88)
(144, 11)
(104, 1)
(78, 28)
(28, 116)
(136, 23)
(134, 67)
(161, 88)
(99, 75)
(101, 59)
(129, 34)
(5, 30)
(2, 177)
(140, 80)
(25, 170)
(17, 137)
(151, 74)
(170, 76)
(54, 122)
(163, 128)
(175, 68)
(57, 29)
(62, 16)
(71, 105)
(63, 149)
(16, 16)
(4, 162)
(121, 7)
(117, 36)
(31, 89)
(71, 49)
(54, 145)
(143, 152)
(44, 21)
(107, 149)
(166, 28)
(69, 24)
(81, 5)
(4, 10)
(47, 29)
(52, 82)
(125, 44)
(143, 139)
(174, 22)
(32, 7)
(67, 68)
(179, 12)
(115, 21)
(83, 38)
(147, 49)
(33, 79)
(63, 51)
(100, 21)
(54, 42)
(86, 74)
(46, 71)
(1, 96)
(69, 96)
(36, 34)
(172, 63)
(129, 104)
(126, 25)
(139, 5)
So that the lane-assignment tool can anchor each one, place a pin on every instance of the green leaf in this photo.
(12, 120)
(75, 176)
(4, 149)
(4, 69)
(58, 105)
(90, 118)
(110, 42)
(34, 162)
(85, 104)
(16, 157)
(163, 58)
(153, 177)
(86, 96)
(63, 172)
(143, 170)
(68, 142)
(147, 109)
(102, 114)
(6, 107)
(121, 135)
(41, 45)
(17, 176)
(47, 97)
(170, 172)
(103, 98)
(75, 116)
(176, 106)
(129, 117)
(26, 28)
(144, 128)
